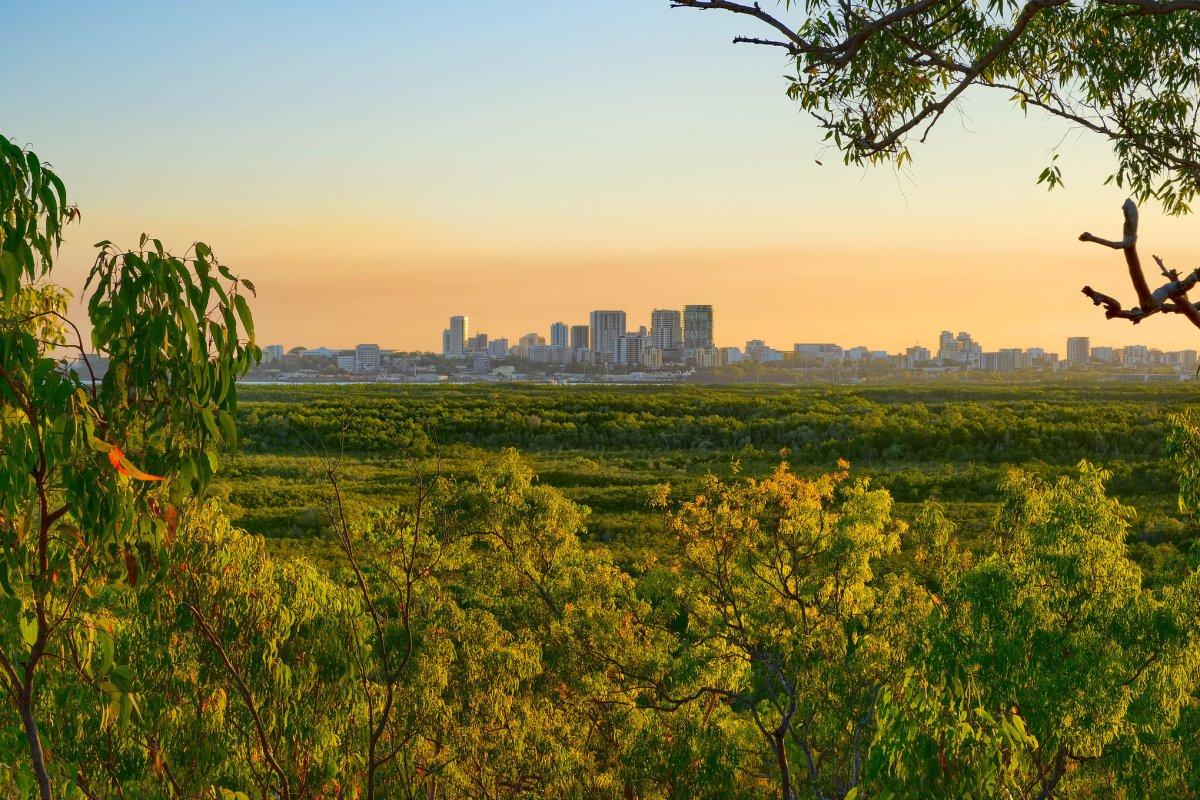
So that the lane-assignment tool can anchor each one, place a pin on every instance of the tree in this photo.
(787, 622)
(1047, 669)
(76, 514)
(879, 74)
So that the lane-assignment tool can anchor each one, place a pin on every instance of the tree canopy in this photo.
(878, 75)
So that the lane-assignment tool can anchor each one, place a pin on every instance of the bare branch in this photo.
(1129, 232)
(1169, 298)
(755, 11)
(791, 48)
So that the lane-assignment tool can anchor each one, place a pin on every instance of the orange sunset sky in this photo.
(375, 168)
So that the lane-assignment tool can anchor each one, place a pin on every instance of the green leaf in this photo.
(29, 628)
(243, 310)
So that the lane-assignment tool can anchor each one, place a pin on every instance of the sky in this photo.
(375, 167)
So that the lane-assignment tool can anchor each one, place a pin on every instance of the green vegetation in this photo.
(606, 448)
(877, 76)
(743, 615)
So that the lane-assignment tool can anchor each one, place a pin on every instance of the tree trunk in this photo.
(36, 755)
(785, 772)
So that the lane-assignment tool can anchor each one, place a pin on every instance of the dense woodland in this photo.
(607, 448)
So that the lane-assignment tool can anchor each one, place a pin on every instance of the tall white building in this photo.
(454, 338)
(697, 327)
(560, 335)
(272, 352)
(366, 358)
(607, 327)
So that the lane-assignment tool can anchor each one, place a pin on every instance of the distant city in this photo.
(679, 344)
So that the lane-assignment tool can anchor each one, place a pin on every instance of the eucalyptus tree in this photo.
(571, 722)
(92, 467)
(879, 75)
(1047, 669)
(786, 621)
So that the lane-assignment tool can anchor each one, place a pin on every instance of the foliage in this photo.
(878, 75)
(604, 447)
(76, 514)
(786, 620)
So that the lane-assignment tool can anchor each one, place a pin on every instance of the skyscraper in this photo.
(947, 347)
(666, 329)
(697, 327)
(1079, 351)
(558, 334)
(454, 338)
(606, 328)
(579, 337)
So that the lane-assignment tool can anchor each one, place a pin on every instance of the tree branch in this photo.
(1170, 298)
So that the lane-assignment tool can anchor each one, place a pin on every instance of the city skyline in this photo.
(362, 208)
(609, 327)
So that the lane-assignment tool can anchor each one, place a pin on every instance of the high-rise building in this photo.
(366, 358)
(697, 327)
(477, 342)
(666, 330)
(272, 352)
(1010, 359)
(1135, 354)
(559, 335)
(947, 347)
(498, 348)
(579, 337)
(1079, 351)
(630, 348)
(606, 328)
(969, 350)
(454, 338)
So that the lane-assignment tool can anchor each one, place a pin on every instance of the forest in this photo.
(607, 448)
